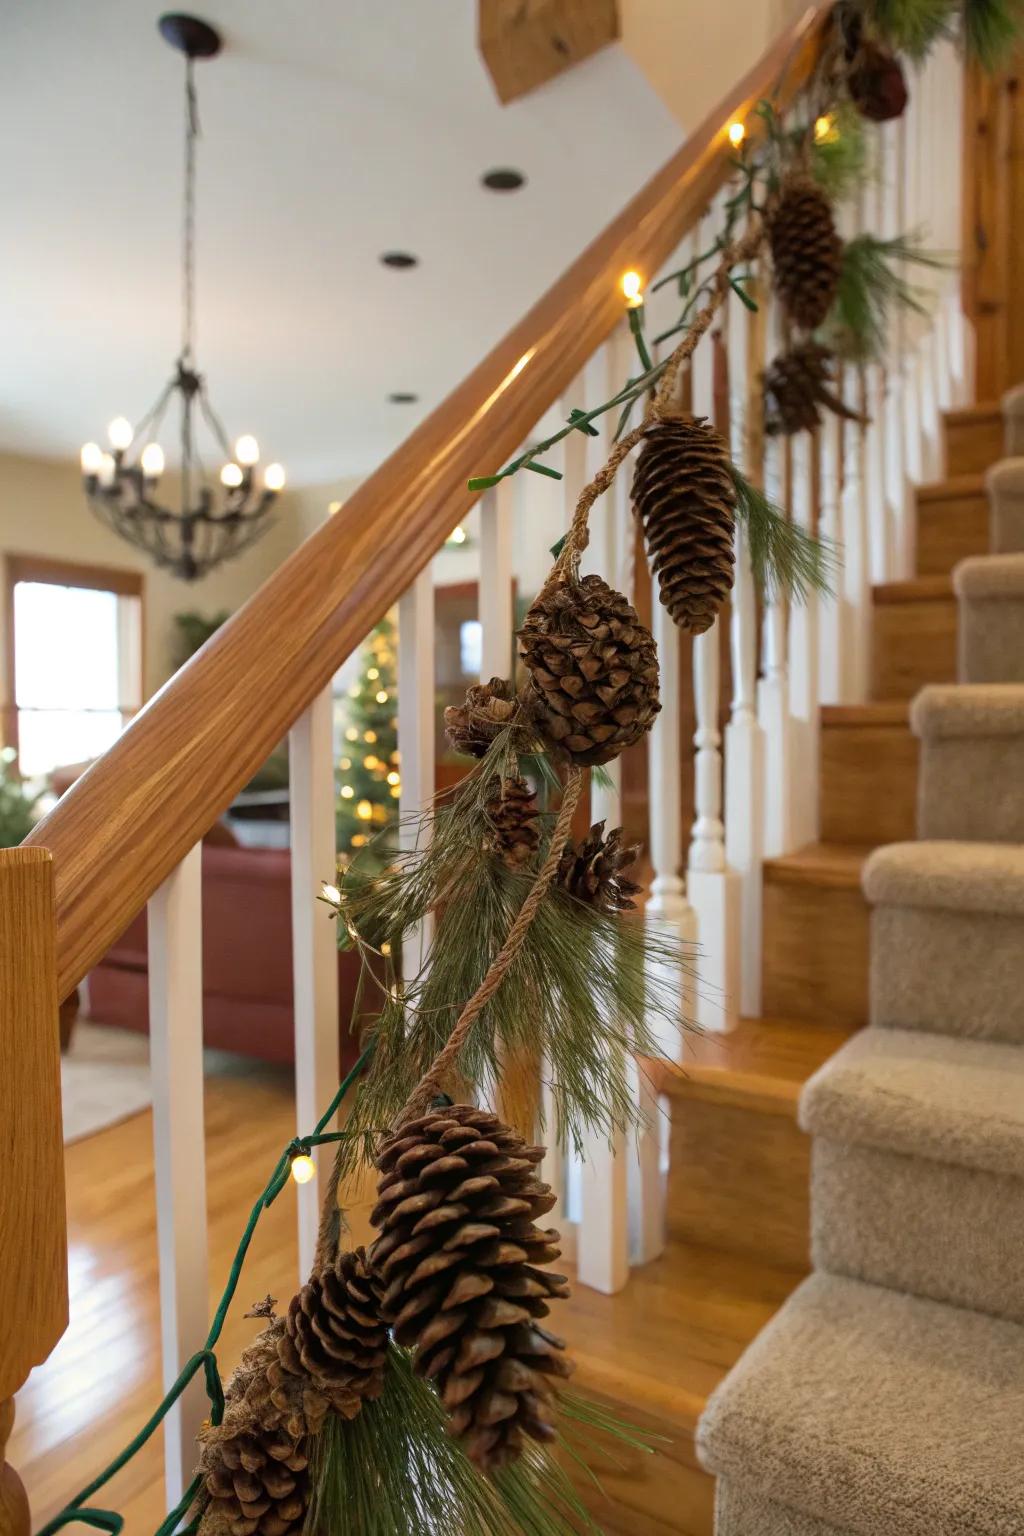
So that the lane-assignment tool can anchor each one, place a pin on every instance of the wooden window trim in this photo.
(60, 573)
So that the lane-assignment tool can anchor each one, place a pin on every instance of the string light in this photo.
(358, 840)
(372, 674)
(737, 133)
(381, 696)
(367, 735)
(457, 535)
(385, 948)
(371, 762)
(345, 764)
(351, 734)
(395, 791)
(632, 284)
(364, 810)
(347, 791)
(393, 778)
(825, 129)
(303, 1168)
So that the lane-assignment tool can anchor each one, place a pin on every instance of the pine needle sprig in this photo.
(394, 1468)
(785, 558)
(991, 29)
(912, 27)
(872, 288)
(839, 157)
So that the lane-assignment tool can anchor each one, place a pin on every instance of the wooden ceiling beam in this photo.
(527, 42)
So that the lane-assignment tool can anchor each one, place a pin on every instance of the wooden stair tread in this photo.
(880, 712)
(834, 864)
(978, 410)
(761, 1065)
(952, 488)
(918, 589)
(663, 1344)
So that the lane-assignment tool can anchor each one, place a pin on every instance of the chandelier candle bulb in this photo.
(120, 433)
(92, 459)
(231, 476)
(107, 469)
(247, 450)
(152, 461)
(274, 477)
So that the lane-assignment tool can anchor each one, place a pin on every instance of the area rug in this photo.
(104, 1078)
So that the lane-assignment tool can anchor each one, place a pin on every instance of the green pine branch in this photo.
(785, 558)
(872, 289)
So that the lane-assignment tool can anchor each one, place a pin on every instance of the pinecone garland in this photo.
(594, 871)
(514, 825)
(457, 1257)
(806, 251)
(593, 670)
(684, 496)
(334, 1332)
(472, 726)
(796, 387)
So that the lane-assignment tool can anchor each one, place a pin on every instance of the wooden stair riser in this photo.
(868, 782)
(815, 950)
(739, 1180)
(913, 641)
(952, 523)
(973, 439)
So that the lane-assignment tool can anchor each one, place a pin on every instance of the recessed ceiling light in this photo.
(503, 180)
(403, 397)
(400, 260)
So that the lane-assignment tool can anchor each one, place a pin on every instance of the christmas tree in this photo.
(368, 777)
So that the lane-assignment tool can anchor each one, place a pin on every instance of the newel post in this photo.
(33, 1226)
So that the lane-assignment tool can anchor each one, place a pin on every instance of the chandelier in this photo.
(211, 523)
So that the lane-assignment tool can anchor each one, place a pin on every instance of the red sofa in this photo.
(247, 961)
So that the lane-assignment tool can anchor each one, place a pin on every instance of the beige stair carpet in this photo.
(918, 1167)
(877, 1413)
(1005, 485)
(971, 769)
(990, 594)
(947, 938)
(743, 1511)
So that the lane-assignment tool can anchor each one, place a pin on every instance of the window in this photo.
(75, 662)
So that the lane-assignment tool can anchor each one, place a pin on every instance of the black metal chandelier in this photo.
(212, 523)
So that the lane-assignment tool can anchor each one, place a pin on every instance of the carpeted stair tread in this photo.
(925, 1096)
(877, 1412)
(1004, 482)
(945, 710)
(990, 576)
(972, 877)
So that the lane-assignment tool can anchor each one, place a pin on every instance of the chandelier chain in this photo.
(189, 230)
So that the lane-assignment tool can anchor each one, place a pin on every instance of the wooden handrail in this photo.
(122, 828)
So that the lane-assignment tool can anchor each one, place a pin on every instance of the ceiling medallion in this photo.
(211, 523)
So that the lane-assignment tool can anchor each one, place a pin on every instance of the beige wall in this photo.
(43, 512)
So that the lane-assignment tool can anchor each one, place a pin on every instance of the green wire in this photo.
(76, 1510)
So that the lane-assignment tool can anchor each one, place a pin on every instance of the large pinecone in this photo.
(458, 1256)
(335, 1333)
(684, 496)
(797, 386)
(806, 251)
(513, 831)
(594, 870)
(876, 82)
(593, 670)
(255, 1462)
(472, 726)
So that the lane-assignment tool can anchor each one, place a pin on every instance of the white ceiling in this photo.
(333, 130)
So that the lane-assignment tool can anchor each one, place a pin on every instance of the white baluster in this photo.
(176, 1076)
(833, 629)
(803, 667)
(603, 1239)
(554, 1170)
(773, 685)
(889, 410)
(416, 730)
(314, 941)
(856, 583)
(495, 596)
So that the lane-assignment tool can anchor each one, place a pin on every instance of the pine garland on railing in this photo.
(415, 1387)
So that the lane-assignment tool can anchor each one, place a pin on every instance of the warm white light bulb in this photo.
(303, 1168)
(247, 450)
(274, 477)
(457, 535)
(737, 133)
(152, 461)
(231, 476)
(92, 458)
(120, 433)
(632, 283)
(107, 470)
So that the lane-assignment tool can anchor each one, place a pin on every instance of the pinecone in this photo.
(684, 496)
(796, 387)
(594, 870)
(876, 82)
(593, 670)
(336, 1335)
(457, 1256)
(472, 726)
(806, 251)
(514, 830)
(254, 1463)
